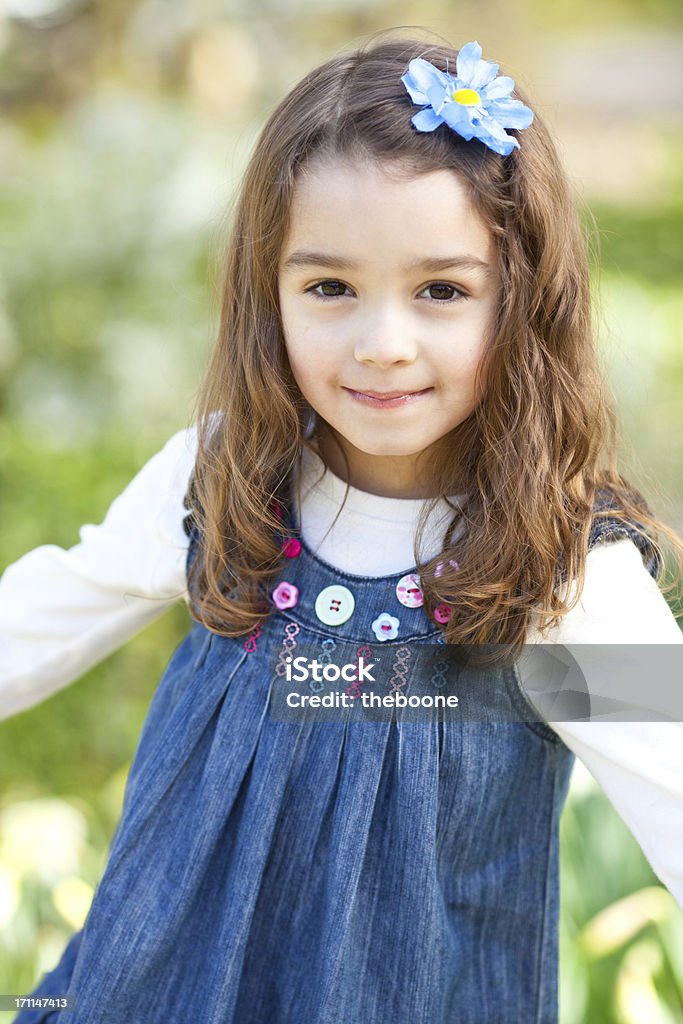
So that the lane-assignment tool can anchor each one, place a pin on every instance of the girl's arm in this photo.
(62, 611)
(639, 765)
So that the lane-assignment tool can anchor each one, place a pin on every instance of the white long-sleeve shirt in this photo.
(62, 611)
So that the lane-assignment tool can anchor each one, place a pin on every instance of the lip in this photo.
(387, 399)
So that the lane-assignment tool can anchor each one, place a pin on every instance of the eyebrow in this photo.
(302, 258)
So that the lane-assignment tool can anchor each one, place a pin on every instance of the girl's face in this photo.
(387, 287)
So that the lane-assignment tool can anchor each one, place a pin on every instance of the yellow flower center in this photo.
(468, 97)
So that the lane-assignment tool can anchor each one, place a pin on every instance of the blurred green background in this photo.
(125, 129)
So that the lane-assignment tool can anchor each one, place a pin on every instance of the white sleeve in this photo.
(62, 611)
(639, 765)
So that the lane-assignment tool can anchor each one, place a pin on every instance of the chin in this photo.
(390, 450)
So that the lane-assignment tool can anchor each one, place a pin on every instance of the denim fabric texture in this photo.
(327, 873)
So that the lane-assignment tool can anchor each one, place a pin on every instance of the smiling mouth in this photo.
(387, 399)
(389, 394)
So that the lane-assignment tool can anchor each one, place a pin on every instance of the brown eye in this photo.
(443, 292)
(330, 289)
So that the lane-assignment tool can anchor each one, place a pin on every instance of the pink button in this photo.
(285, 595)
(408, 591)
(292, 547)
(442, 613)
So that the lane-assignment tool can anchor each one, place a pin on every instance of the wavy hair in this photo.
(528, 458)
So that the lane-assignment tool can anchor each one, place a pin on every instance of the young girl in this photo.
(396, 446)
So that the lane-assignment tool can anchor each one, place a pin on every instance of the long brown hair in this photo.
(527, 457)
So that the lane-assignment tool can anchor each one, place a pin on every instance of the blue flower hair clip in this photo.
(475, 103)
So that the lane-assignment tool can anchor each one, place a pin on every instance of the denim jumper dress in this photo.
(367, 872)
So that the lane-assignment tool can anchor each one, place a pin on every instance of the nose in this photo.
(385, 337)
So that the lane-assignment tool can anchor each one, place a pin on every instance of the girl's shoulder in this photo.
(606, 528)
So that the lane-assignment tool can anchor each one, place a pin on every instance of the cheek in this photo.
(295, 334)
(459, 363)
(477, 381)
(297, 361)
(474, 347)
(459, 366)
(306, 361)
(312, 350)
